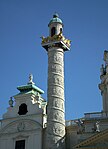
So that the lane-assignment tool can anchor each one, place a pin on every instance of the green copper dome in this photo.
(55, 19)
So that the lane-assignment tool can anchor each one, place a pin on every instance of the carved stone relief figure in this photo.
(55, 54)
(58, 130)
(56, 68)
(54, 115)
(21, 126)
(57, 103)
(58, 91)
(56, 80)
(56, 59)
(58, 116)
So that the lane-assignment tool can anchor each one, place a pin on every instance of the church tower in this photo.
(55, 44)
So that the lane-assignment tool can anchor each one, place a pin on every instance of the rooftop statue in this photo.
(30, 79)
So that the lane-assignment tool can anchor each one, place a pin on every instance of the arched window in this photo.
(22, 109)
(61, 30)
(53, 31)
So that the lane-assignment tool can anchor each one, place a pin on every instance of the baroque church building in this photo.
(32, 123)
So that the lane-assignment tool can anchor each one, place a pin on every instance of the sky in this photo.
(23, 22)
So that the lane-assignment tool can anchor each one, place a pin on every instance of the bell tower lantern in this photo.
(55, 25)
(56, 37)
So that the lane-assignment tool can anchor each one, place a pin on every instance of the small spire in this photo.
(31, 79)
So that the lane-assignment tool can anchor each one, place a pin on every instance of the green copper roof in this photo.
(28, 88)
(55, 19)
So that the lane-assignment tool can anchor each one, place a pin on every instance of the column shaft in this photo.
(55, 109)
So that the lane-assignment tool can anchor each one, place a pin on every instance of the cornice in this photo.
(93, 139)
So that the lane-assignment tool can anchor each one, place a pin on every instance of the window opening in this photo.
(20, 144)
(61, 30)
(22, 109)
(53, 31)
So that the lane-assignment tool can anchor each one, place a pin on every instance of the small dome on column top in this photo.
(55, 19)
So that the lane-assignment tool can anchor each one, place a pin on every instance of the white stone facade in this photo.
(21, 129)
(27, 127)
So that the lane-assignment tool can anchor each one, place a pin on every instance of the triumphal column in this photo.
(55, 44)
